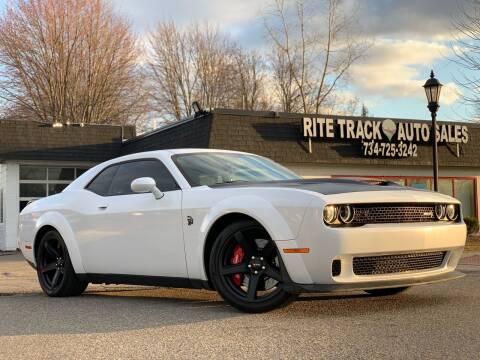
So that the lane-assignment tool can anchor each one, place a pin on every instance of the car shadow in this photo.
(123, 310)
(360, 304)
(106, 312)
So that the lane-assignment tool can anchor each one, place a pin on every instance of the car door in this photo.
(133, 233)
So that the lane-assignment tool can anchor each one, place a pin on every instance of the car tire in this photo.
(54, 268)
(252, 282)
(386, 291)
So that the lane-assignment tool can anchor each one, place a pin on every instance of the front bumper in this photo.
(314, 269)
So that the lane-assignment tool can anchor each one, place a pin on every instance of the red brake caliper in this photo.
(237, 258)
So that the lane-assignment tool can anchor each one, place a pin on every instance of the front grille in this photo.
(394, 213)
(388, 264)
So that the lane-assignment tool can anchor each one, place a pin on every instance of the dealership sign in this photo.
(385, 138)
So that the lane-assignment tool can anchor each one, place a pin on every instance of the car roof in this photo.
(170, 152)
(197, 150)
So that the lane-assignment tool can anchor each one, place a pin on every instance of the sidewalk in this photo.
(16, 276)
(470, 258)
(473, 243)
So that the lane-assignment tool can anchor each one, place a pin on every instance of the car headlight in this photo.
(330, 213)
(451, 212)
(345, 214)
(440, 211)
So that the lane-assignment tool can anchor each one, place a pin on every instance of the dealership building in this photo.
(38, 159)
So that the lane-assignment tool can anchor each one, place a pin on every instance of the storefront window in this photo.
(33, 173)
(56, 188)
(61, 173)
(80, 171)
(464, 191)
(40, 181)
(445, 186)
(33, 190)
(397, 181)
(421, 184)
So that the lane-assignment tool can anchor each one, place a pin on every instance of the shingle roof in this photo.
(31, 140)
(278, 136)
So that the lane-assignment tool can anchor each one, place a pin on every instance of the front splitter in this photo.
(358, 286)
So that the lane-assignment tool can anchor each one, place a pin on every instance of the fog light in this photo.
(330, 213)
(451, 212)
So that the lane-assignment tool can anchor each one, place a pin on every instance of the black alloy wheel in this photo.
(54, 268)
(246, 270)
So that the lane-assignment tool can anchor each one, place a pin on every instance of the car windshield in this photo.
(217, 168)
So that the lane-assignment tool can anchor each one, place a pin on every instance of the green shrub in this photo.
(472, 224)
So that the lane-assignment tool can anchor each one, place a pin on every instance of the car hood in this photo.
(322, 186)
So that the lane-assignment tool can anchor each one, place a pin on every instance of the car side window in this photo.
(127, 172)
(100, 185)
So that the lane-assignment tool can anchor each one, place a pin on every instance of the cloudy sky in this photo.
(410, 37)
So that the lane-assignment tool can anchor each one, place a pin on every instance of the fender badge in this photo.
(189, 220)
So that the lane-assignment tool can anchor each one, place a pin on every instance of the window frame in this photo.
(126, 162)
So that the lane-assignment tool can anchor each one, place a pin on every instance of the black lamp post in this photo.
(432, 90)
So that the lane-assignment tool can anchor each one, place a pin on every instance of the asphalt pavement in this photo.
(440, 321)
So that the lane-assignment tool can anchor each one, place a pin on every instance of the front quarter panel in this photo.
(279, 211)
(40, 214)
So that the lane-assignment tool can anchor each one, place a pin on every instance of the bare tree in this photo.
(214, 64)
(313, 47)
(364, 111)
(287, 92)
(69, 61)
(466, 53)
(250, 80)
(200, 63)
(172, 73)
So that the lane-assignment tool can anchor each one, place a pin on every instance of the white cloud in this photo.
(225, 13)
(450, 93)
(398, 68)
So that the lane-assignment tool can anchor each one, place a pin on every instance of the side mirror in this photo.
(146, 184)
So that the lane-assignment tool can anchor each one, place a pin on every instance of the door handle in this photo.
(102, 207)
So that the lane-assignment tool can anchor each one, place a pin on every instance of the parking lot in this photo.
(119, 322)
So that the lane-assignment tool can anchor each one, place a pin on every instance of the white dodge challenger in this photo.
(240, 224)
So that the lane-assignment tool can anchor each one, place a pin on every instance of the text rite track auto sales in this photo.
(376, 130)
